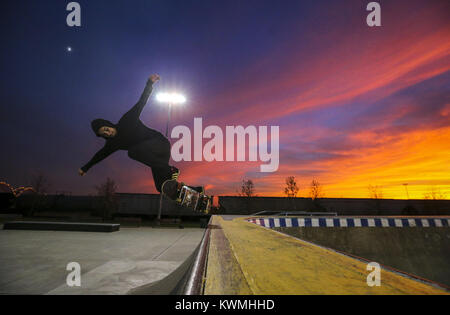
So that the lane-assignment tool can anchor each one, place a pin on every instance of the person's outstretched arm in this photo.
(136, 111)
(98, 157)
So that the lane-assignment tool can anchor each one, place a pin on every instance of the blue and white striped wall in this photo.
(351, 222)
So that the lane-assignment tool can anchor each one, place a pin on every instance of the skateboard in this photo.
(186, 196)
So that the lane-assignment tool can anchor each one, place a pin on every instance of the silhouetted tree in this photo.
(247, 189)
(40, 183)
(375, 192)
(434, 194)
(291, 189)
(316, 190)
(107, 194)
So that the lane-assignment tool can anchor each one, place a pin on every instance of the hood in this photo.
(98, 123)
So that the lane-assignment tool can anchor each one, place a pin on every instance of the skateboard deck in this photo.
(186, 196)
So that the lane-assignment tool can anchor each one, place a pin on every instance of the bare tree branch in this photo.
(291, 189)
(316, 190)
(247, 189)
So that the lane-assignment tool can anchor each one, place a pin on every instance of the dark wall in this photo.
(125, 205)
(148, 204)
(420, 251)
(6, 201)
(60, 202)
(343, 206)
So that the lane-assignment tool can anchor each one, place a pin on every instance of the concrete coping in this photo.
(266, 262)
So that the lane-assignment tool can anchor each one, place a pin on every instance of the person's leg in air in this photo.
(155, 153)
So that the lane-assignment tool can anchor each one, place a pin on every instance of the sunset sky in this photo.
(356, 106)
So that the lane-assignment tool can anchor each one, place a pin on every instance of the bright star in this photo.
(69, 49)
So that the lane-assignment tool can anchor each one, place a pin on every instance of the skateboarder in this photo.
(143, 144)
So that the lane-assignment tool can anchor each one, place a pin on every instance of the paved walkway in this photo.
(34, 262)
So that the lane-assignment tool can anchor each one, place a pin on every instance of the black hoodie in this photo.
(130, 130)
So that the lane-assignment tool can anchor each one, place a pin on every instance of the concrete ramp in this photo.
(187, 279)
(247, 258)
(235, 256)
(419, 246)
(35, 262)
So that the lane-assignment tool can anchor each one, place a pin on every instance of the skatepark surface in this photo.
(235, 255)
(423, 252)
(246, 257)
(34, 262)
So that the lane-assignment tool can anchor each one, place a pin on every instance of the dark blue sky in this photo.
(49, 96)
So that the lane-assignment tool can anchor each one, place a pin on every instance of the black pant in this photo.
(155, 153)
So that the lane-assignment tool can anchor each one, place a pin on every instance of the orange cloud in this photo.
(386, 148)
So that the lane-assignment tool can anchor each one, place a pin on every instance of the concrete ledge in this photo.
(61, 226)
(273, 263)
(224, 275)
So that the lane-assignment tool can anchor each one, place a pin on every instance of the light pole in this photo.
(170, 99)
(406, 188)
